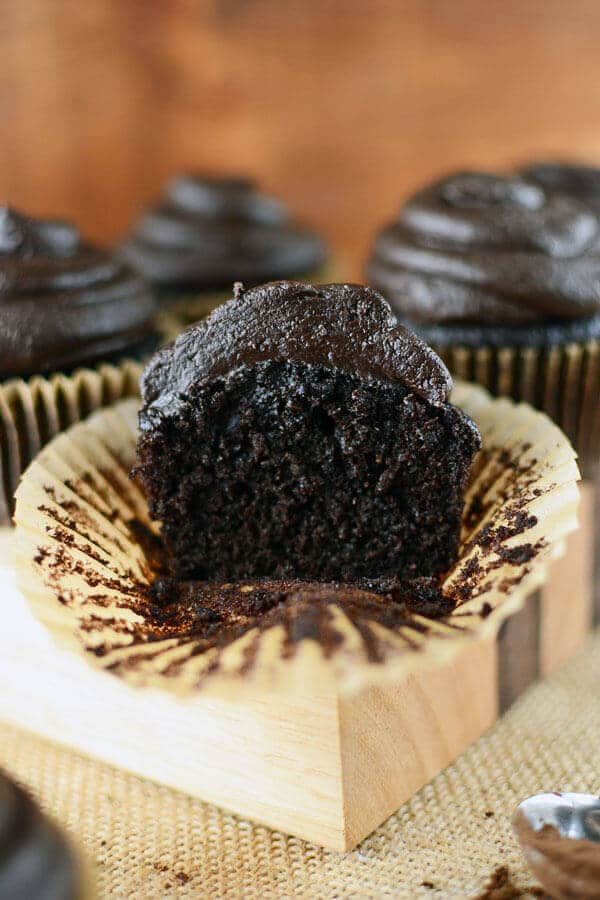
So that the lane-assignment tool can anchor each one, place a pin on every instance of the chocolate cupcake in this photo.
(501, 277)
(207, 233)
(35, 859)
(299, 432)
(63, 304)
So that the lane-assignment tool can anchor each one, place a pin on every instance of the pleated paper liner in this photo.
(85, 560)
(33, 412)
(563, 381)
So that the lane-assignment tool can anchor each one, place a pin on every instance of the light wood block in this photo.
(395, 739)
(568, 596)
(321, 766)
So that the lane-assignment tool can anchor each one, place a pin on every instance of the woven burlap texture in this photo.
(147, 841)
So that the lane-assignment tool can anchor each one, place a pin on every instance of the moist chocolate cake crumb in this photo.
(497, 461)
(471, 567)
(500, 886)
(516, 556)
(421, 596)
(218, 614)
(299, 432)
(41, 555)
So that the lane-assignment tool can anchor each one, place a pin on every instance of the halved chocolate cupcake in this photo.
(206, 233)
(502, 277)
(300, 432)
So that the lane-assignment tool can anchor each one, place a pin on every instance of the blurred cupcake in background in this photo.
(502, 276)
(64, 304)
(206, 233)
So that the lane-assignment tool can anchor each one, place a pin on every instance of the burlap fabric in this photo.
(146, 841)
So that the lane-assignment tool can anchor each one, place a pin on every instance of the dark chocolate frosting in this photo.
(476, 247)
(62, 301)
(582, 182)
(210, 232)
(35, 860)
(344, 326)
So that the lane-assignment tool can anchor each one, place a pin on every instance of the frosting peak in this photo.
(209, 232)
(476, 247)
(344, 326)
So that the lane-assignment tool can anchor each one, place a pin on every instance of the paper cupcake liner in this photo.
(563, 381)
(81, 563)
(33, 412)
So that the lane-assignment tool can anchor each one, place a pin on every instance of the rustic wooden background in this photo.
(340, 106)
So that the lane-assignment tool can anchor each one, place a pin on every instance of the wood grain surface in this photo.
(341, 107)
(323, 766)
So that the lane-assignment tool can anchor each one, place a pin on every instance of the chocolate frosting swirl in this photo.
(35, 860)
(210, 232)
(484, 248)
(64, 302)
(344, 326)
(582, 182)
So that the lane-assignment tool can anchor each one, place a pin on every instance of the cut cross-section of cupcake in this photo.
(301, 432)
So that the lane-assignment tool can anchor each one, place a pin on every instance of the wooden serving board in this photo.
(325, 767)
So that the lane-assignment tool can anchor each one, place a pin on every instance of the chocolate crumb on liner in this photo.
(33, 412)
(562, 380)
(89, 562)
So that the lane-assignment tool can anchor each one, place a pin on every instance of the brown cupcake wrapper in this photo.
(81, 563)
(562, 381)
(33, 412)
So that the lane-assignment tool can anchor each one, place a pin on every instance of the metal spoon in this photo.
(560, 838)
